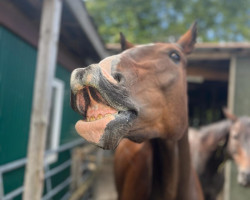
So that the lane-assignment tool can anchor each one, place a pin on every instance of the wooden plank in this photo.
(45, 69)
(242, 91)
(231, 85)
(222, 54)
(84, 187)
(227, 183)
(211, 74)
(230, 105)
(209, 55)
(76, 172)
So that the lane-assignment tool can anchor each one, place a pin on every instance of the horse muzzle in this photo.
(106, 108)
(244, 178)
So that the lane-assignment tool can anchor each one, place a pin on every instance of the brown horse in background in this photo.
(138, 99)
(213, 144)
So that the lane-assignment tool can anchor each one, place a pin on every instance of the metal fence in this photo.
(48, 174)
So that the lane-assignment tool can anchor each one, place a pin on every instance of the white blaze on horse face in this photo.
(107, 65)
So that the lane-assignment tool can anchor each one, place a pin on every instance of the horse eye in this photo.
(175, 56)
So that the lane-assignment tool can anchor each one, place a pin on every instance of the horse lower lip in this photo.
(93, 131)
(108, 131)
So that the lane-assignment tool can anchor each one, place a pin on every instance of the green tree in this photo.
(160, 20)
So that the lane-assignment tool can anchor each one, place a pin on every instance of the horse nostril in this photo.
(118, 77)
(78, 73)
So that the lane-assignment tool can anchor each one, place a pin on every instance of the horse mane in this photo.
(218, 130)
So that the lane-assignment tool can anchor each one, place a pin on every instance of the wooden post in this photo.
(79, 156)
(76, 172)
(230, 105)
(45, 69)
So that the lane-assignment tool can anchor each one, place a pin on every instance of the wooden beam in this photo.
(45, 69)
(207, 51)
(231, 85)
(209, 56)
(207, 73)
(230, 105)
(76, 169)
(222, 54)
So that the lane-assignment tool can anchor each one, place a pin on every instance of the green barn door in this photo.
(17, 65)
(17, 69)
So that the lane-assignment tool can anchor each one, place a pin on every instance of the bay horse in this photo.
(212, 145)
(137, 100)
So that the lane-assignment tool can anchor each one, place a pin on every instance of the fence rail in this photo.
(48, 173)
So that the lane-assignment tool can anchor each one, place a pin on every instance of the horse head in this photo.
(138, 94)
(239, 146)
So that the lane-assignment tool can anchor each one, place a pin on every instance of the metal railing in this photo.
(48, 174)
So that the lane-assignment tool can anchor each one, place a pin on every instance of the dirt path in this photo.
(104, 185)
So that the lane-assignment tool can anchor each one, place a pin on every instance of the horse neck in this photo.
(171, 168)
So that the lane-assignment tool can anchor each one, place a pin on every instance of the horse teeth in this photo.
(99, 116)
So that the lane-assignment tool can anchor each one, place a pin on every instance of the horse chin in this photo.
(117, 129)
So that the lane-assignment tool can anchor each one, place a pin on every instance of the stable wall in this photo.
(17, 69)
(239, 103)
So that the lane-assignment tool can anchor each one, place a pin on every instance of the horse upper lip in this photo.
(114, 95)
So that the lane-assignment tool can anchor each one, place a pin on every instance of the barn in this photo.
(79, 44)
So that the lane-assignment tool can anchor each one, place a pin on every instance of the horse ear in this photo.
(124, 43)
(229, 115)
(188, 40)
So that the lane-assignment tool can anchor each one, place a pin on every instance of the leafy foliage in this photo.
(159, 20)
